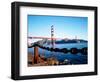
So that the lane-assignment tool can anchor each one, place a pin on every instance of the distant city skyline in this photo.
(64, 26)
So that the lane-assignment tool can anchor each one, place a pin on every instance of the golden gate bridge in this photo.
(50, 38)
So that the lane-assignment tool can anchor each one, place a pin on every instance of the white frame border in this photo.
(24, 70)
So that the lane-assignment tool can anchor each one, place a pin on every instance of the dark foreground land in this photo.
(42, 61)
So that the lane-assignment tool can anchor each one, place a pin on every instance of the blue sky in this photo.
(64, 26)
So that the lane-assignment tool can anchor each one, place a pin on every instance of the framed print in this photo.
(53, 40)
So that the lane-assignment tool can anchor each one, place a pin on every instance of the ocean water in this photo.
(78, 58)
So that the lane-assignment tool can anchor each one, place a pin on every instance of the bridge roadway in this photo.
(43, 38)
